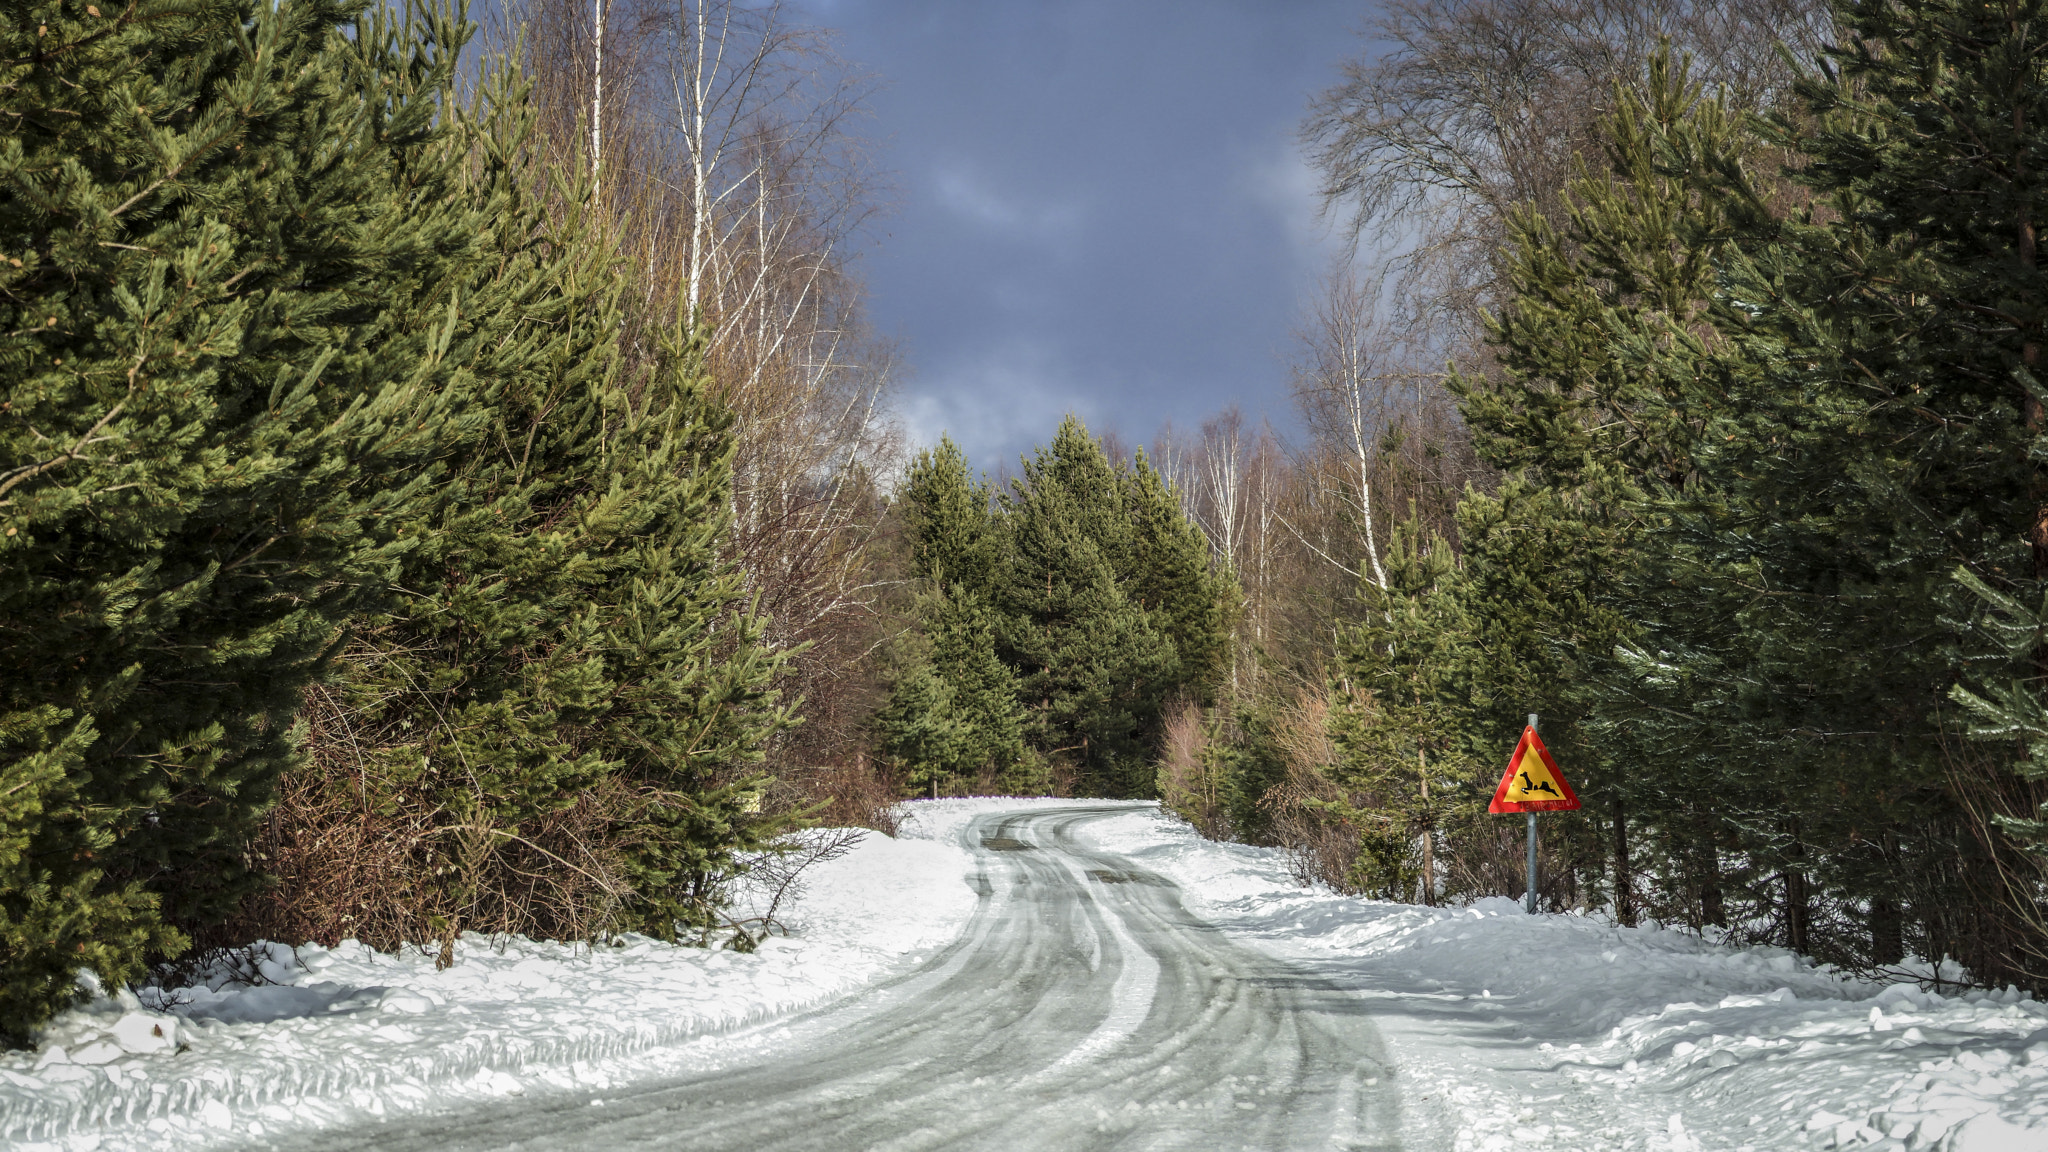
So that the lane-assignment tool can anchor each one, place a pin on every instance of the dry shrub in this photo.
(1488, 855)
(1064, 775)
(773, 879)
(411, 873)
(1322, 848)
(862, 794)
(1190, 774)
(345, 865)
(2001, 933)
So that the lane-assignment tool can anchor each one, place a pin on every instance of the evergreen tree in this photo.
(953, 537)
(1092, 667)
(1789, 496)
(1171, 578)
(921, 730)
(1395, 721)
(1877, 429)
(572, 634)
(690, 678)
(953, 713)
(1599, 345)
(226, 352)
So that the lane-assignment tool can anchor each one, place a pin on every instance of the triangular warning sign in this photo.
(1532, 782)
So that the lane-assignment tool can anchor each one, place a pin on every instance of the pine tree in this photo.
(225, 356)
(1594, 410)
(1879, 431)
(1172, 579)
(1403, 771)
(1092, 667)
(922, 731)
(1804, 481)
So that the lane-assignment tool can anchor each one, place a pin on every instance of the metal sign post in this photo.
(1532, 784)
(1529, 900)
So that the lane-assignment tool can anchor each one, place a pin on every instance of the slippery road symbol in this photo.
(1532, 782)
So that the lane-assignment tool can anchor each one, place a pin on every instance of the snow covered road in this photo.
(1083, 1007)
(1054, 974)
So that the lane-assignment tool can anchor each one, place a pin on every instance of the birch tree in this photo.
(738, 187)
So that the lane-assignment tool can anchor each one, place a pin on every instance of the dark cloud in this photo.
(1102, 205)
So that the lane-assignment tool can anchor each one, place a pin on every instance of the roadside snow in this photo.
(1570, 1032)
(346, 1032)
(1508, 1031)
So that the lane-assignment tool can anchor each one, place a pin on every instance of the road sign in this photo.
(1532, 782)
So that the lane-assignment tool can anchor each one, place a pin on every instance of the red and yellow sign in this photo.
(1532, 782)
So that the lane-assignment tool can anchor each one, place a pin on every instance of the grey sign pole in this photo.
(1531, 897)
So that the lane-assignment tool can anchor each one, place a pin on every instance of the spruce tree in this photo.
(953, 714)
(953, 537)
(690, 678)
(1856, 427)
(466, 696)
(1093, 667)
(1397, 712)
(224, 225)
(1172, 578)
(572, 634)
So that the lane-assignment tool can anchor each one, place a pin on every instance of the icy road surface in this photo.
(1082, 1008)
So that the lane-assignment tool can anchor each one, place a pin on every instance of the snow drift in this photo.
(337, 1034)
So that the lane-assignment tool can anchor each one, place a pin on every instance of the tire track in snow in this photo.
(1082, 1008)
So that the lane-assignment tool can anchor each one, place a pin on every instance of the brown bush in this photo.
(862, 794)
(344, 867)
(1191, 783)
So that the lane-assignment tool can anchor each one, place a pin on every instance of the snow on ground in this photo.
(1570, 1032)
(1509, 1031)
(338, 1034)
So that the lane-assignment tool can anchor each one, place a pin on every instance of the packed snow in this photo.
(1508, 1030)
(332, 1035)
(1571, 1032)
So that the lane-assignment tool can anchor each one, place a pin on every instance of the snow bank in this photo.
(345, 1032)
(1571, 1032)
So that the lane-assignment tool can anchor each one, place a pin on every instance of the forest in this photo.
(448, 484)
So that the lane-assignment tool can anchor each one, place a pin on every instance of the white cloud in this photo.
(995, 407)
(969, 194)
(1283, 186)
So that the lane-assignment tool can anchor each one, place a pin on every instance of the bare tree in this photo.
(1362, 396)
(739, 192)
(1466, 109)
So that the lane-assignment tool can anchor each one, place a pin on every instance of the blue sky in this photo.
(1101, 206)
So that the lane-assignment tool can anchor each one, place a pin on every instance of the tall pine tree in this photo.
(953, 717)
(224, 225)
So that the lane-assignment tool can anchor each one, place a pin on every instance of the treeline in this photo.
(386, 545)
(1755, 388)
(1050, 624)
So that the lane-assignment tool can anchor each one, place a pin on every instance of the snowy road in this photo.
(1082, 1008)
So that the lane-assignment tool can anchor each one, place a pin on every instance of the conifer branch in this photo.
(27, 472)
